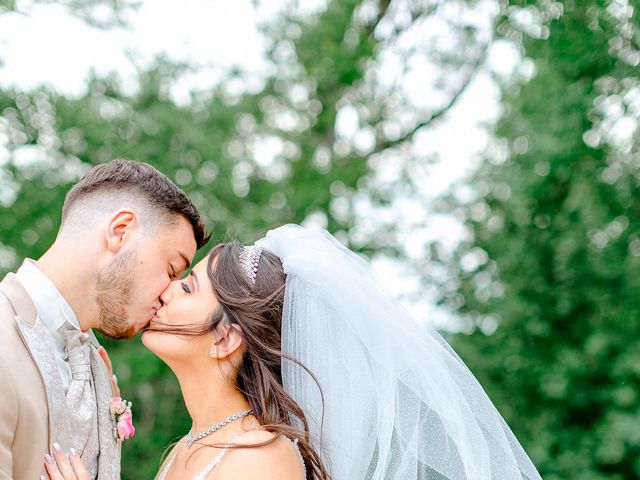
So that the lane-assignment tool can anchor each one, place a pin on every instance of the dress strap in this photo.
(202, 475)
(165, 470)
(213, 464)
(294, 442)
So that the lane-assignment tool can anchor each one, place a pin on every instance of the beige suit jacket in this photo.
(33, 404)
(24, 414)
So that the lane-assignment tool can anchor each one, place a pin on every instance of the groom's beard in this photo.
(114, 284)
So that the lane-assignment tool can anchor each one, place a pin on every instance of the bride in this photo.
(295, 364)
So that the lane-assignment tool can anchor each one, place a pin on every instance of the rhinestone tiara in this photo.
(249, 260)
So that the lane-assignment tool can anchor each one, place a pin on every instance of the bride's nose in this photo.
(167, 295)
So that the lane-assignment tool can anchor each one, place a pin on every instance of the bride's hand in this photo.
(64, 467)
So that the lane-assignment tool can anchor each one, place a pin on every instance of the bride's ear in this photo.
(227, 340)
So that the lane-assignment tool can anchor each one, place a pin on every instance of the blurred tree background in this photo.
(548, 279)
(542, 285)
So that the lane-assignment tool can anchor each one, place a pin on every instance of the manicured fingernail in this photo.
(72, 452)
(57, 447)
(48, 458)
(42, 477)
(115, 379)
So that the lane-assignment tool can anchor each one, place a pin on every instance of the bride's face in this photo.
(189, 302)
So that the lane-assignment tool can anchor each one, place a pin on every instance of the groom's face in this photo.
(129, 287)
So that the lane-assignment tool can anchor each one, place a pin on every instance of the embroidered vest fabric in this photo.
(90, 429)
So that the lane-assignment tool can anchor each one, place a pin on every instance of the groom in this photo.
(127, 231)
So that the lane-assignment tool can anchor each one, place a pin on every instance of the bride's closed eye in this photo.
(185, 287)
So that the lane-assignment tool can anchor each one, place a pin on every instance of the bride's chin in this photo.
(153, 340)
(145, 338)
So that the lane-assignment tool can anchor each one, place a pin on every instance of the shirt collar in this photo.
(52, 308)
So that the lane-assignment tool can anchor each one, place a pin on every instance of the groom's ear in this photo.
(227, 340)
(119, 229)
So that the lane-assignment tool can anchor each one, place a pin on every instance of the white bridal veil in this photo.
(399, 404)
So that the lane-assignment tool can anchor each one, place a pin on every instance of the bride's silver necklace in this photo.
(214, 428)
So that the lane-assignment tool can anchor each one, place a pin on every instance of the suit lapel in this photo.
(36, 339)
(19, 298)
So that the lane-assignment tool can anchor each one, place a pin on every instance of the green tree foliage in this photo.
(548, 281)
(248, 159)
(97, 13)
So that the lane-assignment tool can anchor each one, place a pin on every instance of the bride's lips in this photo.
(152, 317)
(154, 313)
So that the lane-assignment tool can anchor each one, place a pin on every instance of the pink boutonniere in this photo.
(121, 410)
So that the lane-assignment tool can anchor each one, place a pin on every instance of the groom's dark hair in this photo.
(141, 180)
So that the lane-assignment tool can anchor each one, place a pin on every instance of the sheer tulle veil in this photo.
(397, 403)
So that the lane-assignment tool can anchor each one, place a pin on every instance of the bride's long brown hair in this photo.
(257, 310)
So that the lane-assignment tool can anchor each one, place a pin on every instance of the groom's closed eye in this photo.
(176, 272)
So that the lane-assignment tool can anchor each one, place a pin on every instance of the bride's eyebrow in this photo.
(195, 277)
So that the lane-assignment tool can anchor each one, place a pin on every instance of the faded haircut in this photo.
(119, 182)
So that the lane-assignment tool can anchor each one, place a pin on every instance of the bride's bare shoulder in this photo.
(279, 459)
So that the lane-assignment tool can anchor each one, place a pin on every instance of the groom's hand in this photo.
(64, 467)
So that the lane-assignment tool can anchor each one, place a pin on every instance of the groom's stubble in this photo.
(114, 285)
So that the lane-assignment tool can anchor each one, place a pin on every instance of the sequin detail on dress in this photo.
(218, 458)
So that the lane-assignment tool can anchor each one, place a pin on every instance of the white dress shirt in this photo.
(53, 311)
